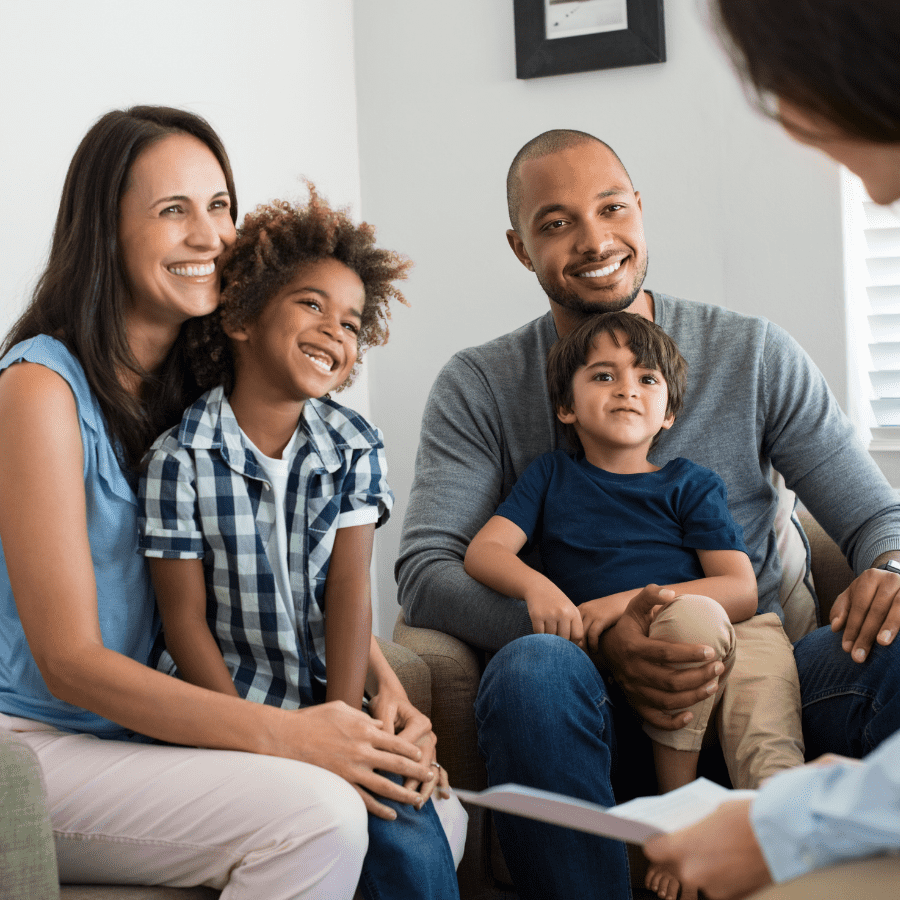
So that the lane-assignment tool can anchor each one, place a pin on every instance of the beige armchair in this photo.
(455, 673)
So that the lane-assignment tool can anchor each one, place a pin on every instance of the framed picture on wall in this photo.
(556, 37)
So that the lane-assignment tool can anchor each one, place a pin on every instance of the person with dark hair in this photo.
(82, 295)
(258, 511)
(754, 405)
(829, 72)
(607, 518)
(256, 801)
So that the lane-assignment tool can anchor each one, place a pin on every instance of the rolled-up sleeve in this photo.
(365, 495)
(168, 519)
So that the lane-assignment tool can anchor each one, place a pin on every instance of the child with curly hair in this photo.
(259, 511)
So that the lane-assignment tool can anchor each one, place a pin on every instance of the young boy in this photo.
(259, 510)
(608, 521)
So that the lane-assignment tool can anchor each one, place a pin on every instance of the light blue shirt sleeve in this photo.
(815, 816)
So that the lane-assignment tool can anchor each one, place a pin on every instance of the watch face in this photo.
(891, 566)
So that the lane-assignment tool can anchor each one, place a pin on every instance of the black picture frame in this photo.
(643, 42)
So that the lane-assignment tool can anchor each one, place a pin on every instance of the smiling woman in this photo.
(83, 295)
(174, 222)
(246, 798)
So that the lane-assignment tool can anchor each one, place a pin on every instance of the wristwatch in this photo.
(890, 566)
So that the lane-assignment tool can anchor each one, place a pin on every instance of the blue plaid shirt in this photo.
(204, 496)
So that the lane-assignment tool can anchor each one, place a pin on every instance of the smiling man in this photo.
(754, 402)
(605, 267)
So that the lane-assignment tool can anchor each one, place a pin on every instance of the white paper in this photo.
(634, 822)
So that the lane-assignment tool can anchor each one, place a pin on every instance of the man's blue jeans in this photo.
(547, 719)
(848, 707)
(408, 857)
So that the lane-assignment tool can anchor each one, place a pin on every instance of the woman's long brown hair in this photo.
(82, 294)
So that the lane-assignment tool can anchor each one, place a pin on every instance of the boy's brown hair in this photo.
(651, 346)
(273, 243)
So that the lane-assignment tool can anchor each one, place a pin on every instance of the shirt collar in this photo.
(210, 424)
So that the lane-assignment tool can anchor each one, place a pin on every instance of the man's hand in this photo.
(552, 612)
(644, 667)
(867, 611)
(719, 855)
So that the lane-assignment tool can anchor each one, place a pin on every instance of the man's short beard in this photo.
(571, 301)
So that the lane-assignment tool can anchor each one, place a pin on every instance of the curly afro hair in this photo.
(273, 243)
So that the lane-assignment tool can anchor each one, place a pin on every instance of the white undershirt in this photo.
(277, 472)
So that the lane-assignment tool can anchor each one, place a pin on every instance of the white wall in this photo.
(735, 214)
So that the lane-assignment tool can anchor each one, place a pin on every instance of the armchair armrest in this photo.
(413, 673)
(456, 672)
(830, 572)
(27, 855)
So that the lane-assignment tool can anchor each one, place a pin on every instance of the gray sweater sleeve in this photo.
(487, 417)
(814, 446)
(457, 487)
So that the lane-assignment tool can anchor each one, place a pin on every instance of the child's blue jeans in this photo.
(408, 857)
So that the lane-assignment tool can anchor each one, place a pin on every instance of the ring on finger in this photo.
(436, 764)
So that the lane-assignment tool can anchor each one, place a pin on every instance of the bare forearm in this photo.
(499, 568)
(380, 673)
(148, 702)
(739, 602)
(348, 634)
(737, 596)
(197, 655)
(884, 557)
(348, 614)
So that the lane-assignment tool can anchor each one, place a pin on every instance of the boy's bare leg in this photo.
(674, 769)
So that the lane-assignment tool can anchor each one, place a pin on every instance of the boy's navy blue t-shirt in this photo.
(600, 533)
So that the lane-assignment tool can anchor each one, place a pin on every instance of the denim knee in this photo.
(537, 669)
(536, 684)
(409, 856)
(848, 707)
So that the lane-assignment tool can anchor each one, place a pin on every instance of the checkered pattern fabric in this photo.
(204, 496)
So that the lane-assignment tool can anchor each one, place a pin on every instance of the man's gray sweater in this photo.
(754, 401)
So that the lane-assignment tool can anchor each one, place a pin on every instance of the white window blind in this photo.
(872, 275)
